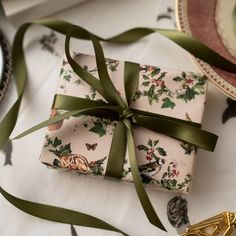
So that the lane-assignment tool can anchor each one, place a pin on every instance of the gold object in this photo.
(223, 224)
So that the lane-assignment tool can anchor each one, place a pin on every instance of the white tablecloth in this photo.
(113, 202)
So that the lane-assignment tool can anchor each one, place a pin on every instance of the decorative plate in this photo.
(212, 23)
(5, 65)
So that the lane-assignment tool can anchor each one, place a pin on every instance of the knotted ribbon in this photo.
(115, 109)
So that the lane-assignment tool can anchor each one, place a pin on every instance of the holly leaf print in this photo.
(186, 181)
(178, 78)
(188, 148)
(155, 72)
(167, 103)
(49, 141)
(165, 175)
(155, 157)
(190, 94)
(161, 151)
(65, 149)
(198, 89)
(113, 66)
(202, 80)
(137, 95)
(171, 183)
(59, 149)
(61, 72)
(97, 166)
(98, 129)
(145, 77)
(56, 163)
(67, 77)
(151, 94)
(78, 82)
(162, 76)
(155, 142)
(56, 142)
(146, 83)
(142, 147)
(93, 95)
(150, 142)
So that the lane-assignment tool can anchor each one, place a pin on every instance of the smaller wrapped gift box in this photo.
(82, 143)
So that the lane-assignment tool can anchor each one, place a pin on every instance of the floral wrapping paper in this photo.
(82, 143)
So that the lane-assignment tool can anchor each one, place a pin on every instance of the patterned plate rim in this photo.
(183, 25)
(7, 65)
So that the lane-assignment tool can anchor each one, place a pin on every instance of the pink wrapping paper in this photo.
(82, 143)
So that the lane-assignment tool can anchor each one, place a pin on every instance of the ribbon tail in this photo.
(8, 123)
(183, 40)
(142, 195)
(56, 119)
(116, 158)
(179, 131)
(19, 69)
(198, 49)
(58, 214)
(71, 103)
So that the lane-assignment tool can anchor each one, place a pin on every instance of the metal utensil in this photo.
(7, 32)
(223, 224)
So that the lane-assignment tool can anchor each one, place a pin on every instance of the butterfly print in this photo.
(91, 146)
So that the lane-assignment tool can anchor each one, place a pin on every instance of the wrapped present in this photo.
(82, 143)
(163, 141)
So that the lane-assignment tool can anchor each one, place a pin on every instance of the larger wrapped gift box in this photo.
(82, 143)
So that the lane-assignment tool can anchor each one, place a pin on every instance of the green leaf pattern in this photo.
(188, 148)
(64, 158)
(68, 74)
(152, 150)
(154, 88)
(169, 178)
(155, 162)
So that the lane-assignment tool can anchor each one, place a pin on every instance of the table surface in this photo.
(116, 203)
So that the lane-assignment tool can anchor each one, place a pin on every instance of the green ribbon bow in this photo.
(115, 109)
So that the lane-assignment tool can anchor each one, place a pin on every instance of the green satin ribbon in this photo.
(115, 109)
(58, 214)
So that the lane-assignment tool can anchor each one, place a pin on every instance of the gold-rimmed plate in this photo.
(212, 23)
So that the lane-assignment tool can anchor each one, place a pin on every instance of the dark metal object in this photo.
(177, 213)
(7, 65)
(7, 150)
(169, 15)
(230, 111)
(73, 231)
